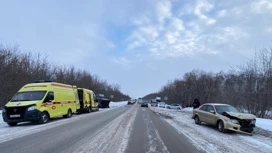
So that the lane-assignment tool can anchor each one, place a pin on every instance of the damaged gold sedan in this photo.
(224, 117)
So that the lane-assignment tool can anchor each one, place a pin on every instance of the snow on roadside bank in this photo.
(117, 104)
(265, 124)
(207, 138)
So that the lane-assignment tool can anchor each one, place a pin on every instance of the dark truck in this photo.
(103, 102)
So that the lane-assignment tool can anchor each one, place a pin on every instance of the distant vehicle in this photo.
(161, 104)
(103, 101)
(87, 101)
(131, 102)
(140, 100)
(144, 104)
(225, 117)
(40, 101)
(158, 99)
(174, 106)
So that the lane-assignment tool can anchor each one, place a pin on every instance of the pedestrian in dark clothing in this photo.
(196, 103)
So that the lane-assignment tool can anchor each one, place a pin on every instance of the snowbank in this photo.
(117, 104)
(265, 124)
(188, 109)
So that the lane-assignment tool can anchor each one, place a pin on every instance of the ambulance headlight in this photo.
(4, 110)
(31, 108)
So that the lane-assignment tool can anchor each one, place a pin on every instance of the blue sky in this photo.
(139, 44)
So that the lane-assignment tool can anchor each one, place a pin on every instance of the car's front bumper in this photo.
(236, 127)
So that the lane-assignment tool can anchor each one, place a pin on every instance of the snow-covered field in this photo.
(8, 133)
(207, 137)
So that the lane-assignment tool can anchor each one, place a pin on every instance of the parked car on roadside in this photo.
(144, 104)
(224, 117)
(161, 104)
(174, 106)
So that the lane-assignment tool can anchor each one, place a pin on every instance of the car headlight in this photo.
(234, 121)
(4, 110)
(253, 122)
(31, 108)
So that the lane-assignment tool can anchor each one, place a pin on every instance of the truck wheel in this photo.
(89, 110)
(44, 118)
(69, 114)
(12, 123)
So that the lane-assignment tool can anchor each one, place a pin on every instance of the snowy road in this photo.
(151, 134)
(104, 131)
(129, 129)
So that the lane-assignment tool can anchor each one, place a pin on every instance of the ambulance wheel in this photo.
(12, 123)
(89, 110)
(69, 114)
(44, 118)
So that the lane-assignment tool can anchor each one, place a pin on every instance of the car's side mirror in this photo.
(212, 111)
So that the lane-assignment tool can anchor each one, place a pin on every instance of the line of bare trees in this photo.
(248, 88)
(18, 69)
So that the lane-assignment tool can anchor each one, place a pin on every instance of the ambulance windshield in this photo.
(28, 96)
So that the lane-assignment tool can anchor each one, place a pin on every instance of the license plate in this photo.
(15, 115)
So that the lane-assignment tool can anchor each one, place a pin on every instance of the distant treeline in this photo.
(248, 88)
(18, 69)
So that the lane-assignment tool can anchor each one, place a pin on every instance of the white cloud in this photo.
(262, 6)
(222, 13)
(163, 10)
(269, 29)
(202, 7)
(143, 20)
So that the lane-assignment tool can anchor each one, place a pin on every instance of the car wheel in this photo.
(44, 118)
(178, 108)
(220, 126)
(197, 120)
(69, 114)
(12, 123)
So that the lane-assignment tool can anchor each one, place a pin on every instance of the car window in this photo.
(225, 108)
(49, 97)
(209, 108)
(203, 108)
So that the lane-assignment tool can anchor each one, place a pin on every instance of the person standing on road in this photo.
(196, 103)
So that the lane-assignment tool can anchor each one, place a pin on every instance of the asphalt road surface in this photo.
(152, 134)
(130, 129)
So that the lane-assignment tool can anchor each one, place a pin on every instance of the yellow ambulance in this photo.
(87, 100)
(40, 101)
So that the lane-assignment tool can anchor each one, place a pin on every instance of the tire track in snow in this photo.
(112, 138)
(155, 142)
